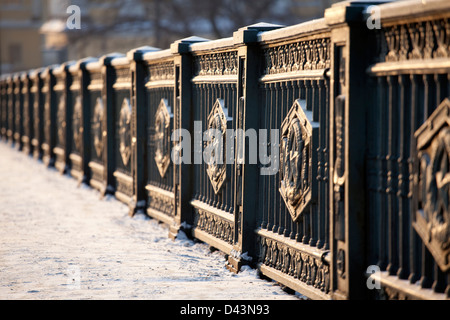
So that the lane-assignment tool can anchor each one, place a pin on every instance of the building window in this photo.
(15, 54)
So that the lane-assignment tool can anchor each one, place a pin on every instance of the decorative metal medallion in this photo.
(295, 152)
(77, 123)
(162, 136)
(61, 116)
(432, 184)
(97, 127)
(26, 118)
(47, 120)
(216, 168)
(125, 131)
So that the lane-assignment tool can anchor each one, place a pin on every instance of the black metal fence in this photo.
(355, 119)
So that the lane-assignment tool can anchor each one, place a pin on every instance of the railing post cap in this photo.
(182, 45)
(137, 54)
(107, 58)
(35, 72)
(64, 67)
(24, 75)
(81, 64)
(49, 69)
(349, 11)
(249, 33)
(18, 75)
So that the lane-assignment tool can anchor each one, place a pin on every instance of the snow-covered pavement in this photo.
(60, 241)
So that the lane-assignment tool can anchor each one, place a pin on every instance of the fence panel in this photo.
(3, 108)
(11, 108)
(63, 125)
(350, 124)
(18, 110)
(96, 125)
(27, 113)
(49, 117)
(214, 102)
(409, 126)
(122, 129)
(78, 111)
(38, 111)
(293, 201)
(160, 87)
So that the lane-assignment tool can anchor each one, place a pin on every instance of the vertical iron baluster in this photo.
(282, 106)
(202, 108)
(327, 162)
(273, 179)
(391, 175)
(403, 192)
(264, 121)
(314, 212)
(233, 116)
(426, 280)
(300, 223)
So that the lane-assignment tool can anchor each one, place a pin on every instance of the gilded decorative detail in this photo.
(161, 203)
(294, 262)
(295, 151)
(125, 131)
(77, 123)
(161, 71)
(123, 75)
(417, 40)
(432, 187)
(303, 55)
(163, 118)
(61, 116)
(222, 63)
(123, 186)
(97, 127)
(214, 225)
(216, 168)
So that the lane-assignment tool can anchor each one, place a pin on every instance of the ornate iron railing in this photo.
(337, 182)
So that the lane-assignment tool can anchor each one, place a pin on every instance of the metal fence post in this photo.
(49, 117)
(349, 43)
(38, 101)
(18, 120)
(11, 109)
(247, 117)
(108, 133)
(63, 116)
(138, 128)
(2, 98)
(183, 119)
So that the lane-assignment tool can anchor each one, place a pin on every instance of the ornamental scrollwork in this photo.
(432, 184)
(97, 127)
(163, 118)
(300, 265)
(214, 225)
(296, 151)
(61, 116)
(416, 40)
(217, 125)
(303, 55)
(223, 63)
(125, 131)
(77, 123)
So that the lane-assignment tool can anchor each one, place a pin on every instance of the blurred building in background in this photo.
(34, 33)
(20, 41)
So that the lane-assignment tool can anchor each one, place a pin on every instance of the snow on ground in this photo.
(59, 241)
